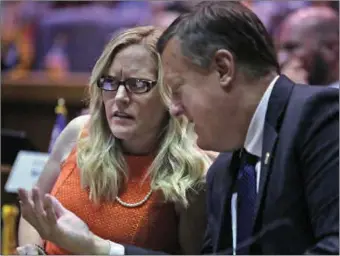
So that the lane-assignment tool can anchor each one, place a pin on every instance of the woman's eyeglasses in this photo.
(134, 85)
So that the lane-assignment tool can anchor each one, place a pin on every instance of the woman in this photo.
(128, 169)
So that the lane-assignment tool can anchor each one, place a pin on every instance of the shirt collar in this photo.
(254, 138)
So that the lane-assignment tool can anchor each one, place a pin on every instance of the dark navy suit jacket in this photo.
(297, 208)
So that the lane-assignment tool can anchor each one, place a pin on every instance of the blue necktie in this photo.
(246, 196)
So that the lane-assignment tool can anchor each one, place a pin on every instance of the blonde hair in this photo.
(179, 165)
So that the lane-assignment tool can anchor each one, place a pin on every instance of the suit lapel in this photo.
(276, 107)
(226, 181)
(268, 151)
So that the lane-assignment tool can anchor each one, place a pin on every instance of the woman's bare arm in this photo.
(62, 148)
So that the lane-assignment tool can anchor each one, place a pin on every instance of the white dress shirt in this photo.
(253, 145)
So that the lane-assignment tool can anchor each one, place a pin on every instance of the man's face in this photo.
(198, 94)
(297, 40)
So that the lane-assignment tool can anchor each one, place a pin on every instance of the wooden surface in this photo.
(38, 87)
(28, 104)
(5, 168)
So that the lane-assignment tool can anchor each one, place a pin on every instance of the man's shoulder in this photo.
(310, 90)
(305, 101)
(314, 100)
(304, 93)
(310, 111)
(301, 93)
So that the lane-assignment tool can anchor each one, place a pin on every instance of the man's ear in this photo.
(225, 66)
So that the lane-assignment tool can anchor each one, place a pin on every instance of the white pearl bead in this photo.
(131, 205)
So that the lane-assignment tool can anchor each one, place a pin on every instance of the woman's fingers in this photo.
(37, 200)
(50, 212)
(25, 198)
(46, 226)
(32, 211)
(27, 206)
(39, 211)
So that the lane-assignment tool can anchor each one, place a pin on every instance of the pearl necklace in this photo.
(132, 205)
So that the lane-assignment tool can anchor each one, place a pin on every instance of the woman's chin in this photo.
(122, 135)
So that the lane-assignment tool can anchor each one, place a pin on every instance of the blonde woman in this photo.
(129, 171)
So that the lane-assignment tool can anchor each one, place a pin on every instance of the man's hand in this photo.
(58, 225)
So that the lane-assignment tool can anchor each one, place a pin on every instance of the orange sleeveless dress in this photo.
(153, 225)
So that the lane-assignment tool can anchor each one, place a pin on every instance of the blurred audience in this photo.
(272, 13)
(308, 46)
(165, 12)
(86, 29)
(17, 35)
(31, 30)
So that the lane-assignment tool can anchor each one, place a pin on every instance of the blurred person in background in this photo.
(119, 14)
(271, 13)
(86, 28)
(129, 171)
(17, 35)
(308, 46)
(165, 12)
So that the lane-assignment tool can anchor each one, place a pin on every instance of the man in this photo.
(272, 12)
(277, 193)
(308, 43)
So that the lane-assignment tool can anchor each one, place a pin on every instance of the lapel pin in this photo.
(266, 160)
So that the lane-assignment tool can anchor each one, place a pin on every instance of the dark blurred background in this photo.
(40, 35)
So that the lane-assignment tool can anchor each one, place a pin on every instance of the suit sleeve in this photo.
(319, 147)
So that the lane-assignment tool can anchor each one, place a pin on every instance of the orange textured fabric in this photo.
(153, 225)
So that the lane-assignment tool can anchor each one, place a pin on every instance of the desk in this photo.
(28, 103)
(5, 169)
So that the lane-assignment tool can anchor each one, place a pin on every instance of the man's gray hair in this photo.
(214, 25)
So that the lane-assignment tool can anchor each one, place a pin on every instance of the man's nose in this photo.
(176, 109)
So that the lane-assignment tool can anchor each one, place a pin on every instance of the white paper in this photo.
(26, 170)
